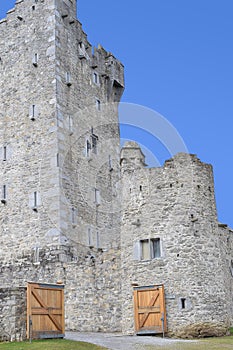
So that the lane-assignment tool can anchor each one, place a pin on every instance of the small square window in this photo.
(149, 249)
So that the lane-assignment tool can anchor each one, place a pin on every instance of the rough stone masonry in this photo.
(70, 197)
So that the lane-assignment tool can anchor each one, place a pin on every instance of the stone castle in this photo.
(76, 208)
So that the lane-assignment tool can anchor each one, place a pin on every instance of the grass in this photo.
(59, 344)
(225, 343)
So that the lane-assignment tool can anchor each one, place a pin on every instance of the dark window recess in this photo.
(94, 140)
(4, 153)
(35, 200)
(73, 215)
(3, 199)
(98, 105)
(140, 188)
(88, 147)
(183, 303)
(110, 163)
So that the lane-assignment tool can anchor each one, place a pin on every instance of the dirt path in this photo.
(116, 341)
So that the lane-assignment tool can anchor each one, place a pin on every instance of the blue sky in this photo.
(178, 58)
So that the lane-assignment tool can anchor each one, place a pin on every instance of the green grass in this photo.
(225, 343)
(60, 344)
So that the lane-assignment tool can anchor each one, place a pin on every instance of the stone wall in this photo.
(176, 204)
(68, 213)
(92, 287)
(12, 314)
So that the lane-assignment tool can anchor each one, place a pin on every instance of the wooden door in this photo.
(149, 310)
(45, 311)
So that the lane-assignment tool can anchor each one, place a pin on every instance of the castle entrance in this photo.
(45, 311)
(149, 310)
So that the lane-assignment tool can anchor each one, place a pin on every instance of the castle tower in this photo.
(170, 237)
(60, 151)
(58, 107)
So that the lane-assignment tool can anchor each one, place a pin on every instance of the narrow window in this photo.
(145, 249)
(231, 267)
(94, 140)
(3, 199)
(35, 60)
(89, 237)
(110, 163)
(140, 188)
(183, 303)
(35, 200)
(98, 105)
(73, 216)
(88, 148)
(97, 240)
(4, 153)
(70, 124)
(96, 78)
(33, 8)
(155, 248)
(36, 255)
(33, 112)
(97, 196)
(58, 159)
(68, 79)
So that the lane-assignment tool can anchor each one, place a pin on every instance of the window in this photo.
(71, 125)
(183, 303)
(231, 267)
(34, 200)
(97, 196)
(74, 216)
(90, 238)
(147, 249)
(58, 159)
(3, 199)
(4, 153)
(110, 163)
(94, 140)
(68, 79)
(35, 59)
(97, 240)
(96, 78)
(33, 112)
(98, 104)
(88, 148)
(36, 255)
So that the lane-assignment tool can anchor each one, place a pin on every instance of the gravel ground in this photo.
(116, 341)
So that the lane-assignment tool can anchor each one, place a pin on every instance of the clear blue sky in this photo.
(178, 58)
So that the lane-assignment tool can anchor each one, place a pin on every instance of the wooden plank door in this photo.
(149, 310)
(45, 311)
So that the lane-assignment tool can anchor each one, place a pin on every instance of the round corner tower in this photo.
(170, 237)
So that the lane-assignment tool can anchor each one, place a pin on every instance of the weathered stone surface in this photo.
(202, 330)
(70, 213)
